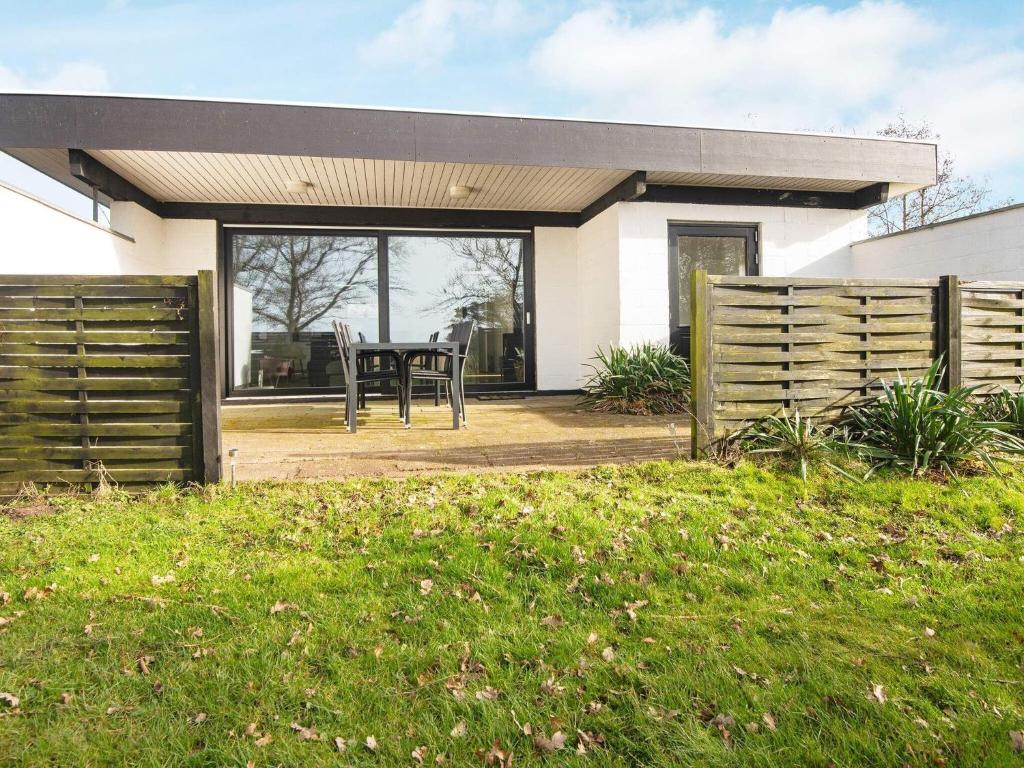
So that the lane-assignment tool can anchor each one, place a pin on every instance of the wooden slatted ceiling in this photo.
(230, 178)
(260, 179)
(753, 182)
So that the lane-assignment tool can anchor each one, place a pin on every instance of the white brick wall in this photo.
(989, 246)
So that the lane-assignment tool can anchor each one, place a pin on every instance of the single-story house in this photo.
(557, 236)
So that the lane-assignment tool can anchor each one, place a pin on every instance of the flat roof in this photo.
(184, 149)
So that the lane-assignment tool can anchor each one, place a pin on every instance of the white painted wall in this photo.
(39, 238)
(989, 246)
(791, 240)
(597, 310)
(556, 318)
(165, 246)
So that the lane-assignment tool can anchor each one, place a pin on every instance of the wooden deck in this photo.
(309, 441)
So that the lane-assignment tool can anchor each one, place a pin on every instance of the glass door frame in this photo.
(679, 332)
(383, 299)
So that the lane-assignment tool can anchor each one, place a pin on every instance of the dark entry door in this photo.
(719, 249)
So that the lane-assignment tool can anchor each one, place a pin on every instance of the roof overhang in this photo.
(194, 151)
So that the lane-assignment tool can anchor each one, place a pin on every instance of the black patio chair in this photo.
(370, 366)
(438, 367)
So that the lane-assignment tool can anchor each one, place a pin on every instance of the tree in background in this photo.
(950, 197)
(296, 280)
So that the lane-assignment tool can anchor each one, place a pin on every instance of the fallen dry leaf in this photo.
(371, 743)
(497, 756)
(340, 744)
(929, 632)
(723, 723)
(156, 580)
(1017, 740)
(37, 593)
(554, 621)
(426, 586)
(459, 730)
(878, 693)
(487, 694)
(555, 743)
(280, 606)
(263, 740)
(608, 654)
(592, 638)
(10, 699)
(66, 698)
(418, 754)
(198, 718)
(306, 734)
(769, 720)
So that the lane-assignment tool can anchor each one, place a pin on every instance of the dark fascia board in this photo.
(785, 198)
(33, 120)
(86, 168)
(350, 216)
(630, 188)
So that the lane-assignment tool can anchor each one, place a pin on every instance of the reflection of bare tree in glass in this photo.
(488, 284)
(296, 280)
(715, 255)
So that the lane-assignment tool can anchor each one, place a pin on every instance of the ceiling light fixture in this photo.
(298, 186)
(460, 192)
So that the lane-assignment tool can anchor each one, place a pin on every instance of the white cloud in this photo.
(73, 76)
(426, 32)
(807, 67)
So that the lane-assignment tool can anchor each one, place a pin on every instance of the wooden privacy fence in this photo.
(763, 344)
(108, 378)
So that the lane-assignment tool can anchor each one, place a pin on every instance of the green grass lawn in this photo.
(663, 614)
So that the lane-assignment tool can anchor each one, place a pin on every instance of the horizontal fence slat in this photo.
(95, 361)
(110, 280)
(15, 336)
(92, 314)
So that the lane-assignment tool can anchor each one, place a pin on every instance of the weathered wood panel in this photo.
(821, 345)
(818, 344)
(100, 377)
(992, 335)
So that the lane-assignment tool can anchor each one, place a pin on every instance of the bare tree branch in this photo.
(951, 196)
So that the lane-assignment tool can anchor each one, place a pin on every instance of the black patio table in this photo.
(403, 348)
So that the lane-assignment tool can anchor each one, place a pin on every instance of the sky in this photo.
(848, 67)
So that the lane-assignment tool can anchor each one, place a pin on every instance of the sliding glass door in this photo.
(286, 286)
(437, 281)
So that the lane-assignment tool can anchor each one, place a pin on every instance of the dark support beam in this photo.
(349, 216)
(664, 193)
(85, 167)
(630, 188)
(876, 194)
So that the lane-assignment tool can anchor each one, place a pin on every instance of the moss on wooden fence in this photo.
(102, 378)
(764, 344)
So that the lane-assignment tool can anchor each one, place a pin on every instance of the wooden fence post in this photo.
(702, 429)
(209, 378)
(950, 320)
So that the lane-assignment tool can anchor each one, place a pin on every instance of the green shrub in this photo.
(794, 439)
(642, 380)
(1006, 407)
(917, 427)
